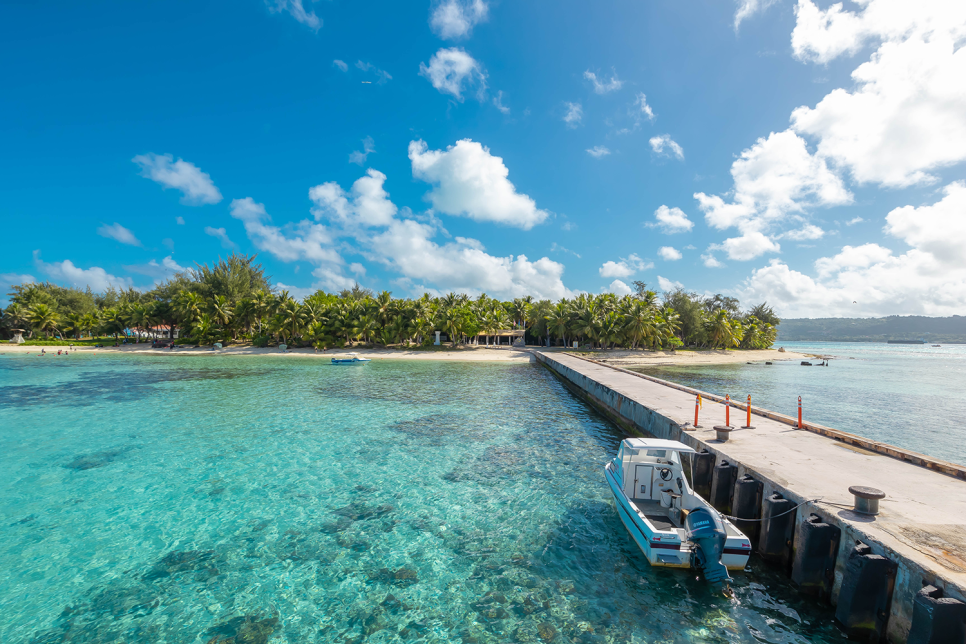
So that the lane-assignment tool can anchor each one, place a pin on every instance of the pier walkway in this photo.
(922, 521)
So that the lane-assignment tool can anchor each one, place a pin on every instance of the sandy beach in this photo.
(617, 357)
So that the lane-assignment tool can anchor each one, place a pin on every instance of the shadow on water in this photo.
(94, 387)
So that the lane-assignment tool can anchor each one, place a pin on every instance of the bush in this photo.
(260, 341)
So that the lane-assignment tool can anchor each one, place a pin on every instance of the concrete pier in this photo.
(921, 524)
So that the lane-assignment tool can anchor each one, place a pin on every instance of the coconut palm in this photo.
(43, 319)
(720, 330)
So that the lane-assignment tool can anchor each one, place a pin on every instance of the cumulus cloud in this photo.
(574, 114)
(625, 267)
(598, 151)
(66, 272)
(119, 233)
(603, 85)
(468, 181)
(748, 246)
(295, 9)
(664, 145)
(671, 220)
(359, 156)
(367, 204)
(454, 19)
(669, 253)
(618, 287)
(221, 235)
(464, 266)
(773, 178)
(927, 279)
(304, 240)
(668, 285)
(195, 185)
(710, 261)
(159, 272)
(340, 64)
(452, 71)
(807, 232)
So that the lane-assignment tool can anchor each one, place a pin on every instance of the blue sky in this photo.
(800, 153)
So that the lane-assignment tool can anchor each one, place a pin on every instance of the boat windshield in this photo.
(656, 456)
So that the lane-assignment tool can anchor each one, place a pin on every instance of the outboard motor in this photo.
(708, 535)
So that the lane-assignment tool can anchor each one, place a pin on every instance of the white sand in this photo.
(617, 357)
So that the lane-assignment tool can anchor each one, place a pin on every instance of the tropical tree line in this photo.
(233, 301)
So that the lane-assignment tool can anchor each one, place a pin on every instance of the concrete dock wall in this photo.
(928, 546)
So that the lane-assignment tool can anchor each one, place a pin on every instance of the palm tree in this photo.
(221, 311)
(293, 316)
(88, 322)
(43, 318)
(639, 322)
(74, 324)
(203, 329)
(720, 330)
(558, 321)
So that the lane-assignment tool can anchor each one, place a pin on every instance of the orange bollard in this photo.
(697, 403)
(748, 424)
(800, 425)
(727, 410)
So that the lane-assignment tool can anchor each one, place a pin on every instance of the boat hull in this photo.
(660, 548)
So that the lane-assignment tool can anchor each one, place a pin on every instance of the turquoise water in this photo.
(907, 395)
(208, 499)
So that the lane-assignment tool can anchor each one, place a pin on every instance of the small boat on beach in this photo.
(671, 524)
(352, 359)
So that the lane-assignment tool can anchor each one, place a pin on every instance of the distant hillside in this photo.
(894, 327)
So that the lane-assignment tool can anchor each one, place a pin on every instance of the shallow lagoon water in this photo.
(906, 395)
(212, 499)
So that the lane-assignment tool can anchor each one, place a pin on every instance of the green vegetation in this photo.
(233, 301)
(910, 327)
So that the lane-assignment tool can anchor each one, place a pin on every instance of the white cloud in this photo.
(598, 151)
(331, 279)
(574, 115)
(119, 233)
(359, 157)
(625, 267)
(643, 109)
(221, 235)
(357, 268)
(298, 292)
(668, 285)
(666, 146)
(179, 221)
(340, 64)
(469, 181)
(618, 287)
(451, 71)
(463, 266)
(555, 247)
(928, 279)
(710, 261)
(297, 11)
(854, 221)
(367, 205)
(809, 231)
(453, 19)
(159, 272)
(498, 103)
(195, 185)
(669, 253)
(602, 85)
(905, 119)
(66, 272)
(303, 240)
(773, 178)
(671, 220)
(382, 76)
(748, 8)
(749, 246)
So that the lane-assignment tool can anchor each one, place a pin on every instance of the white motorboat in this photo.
(671, 524)
(352, 359)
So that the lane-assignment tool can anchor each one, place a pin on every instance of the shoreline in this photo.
(617, 357)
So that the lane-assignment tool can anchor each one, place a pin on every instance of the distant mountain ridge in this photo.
(895, 327)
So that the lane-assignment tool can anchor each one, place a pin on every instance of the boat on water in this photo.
(671, 524)
(352, 359)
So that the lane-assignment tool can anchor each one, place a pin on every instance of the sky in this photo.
(806, 154)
